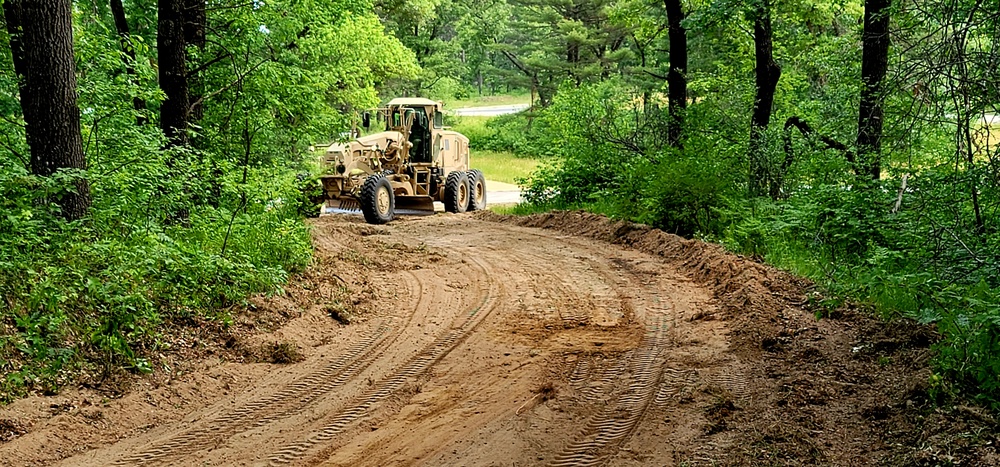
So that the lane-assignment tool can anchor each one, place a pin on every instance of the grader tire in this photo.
(378, 203)
(456, 192)
(477, 190)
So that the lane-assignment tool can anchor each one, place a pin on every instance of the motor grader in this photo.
(413, 163)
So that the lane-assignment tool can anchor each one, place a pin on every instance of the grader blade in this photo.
(345, 204)
(419, 205)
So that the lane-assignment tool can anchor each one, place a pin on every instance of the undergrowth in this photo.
(91, 296)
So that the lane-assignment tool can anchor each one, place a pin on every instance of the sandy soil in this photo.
(559, 339)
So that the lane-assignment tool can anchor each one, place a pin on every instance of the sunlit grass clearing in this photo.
(502, 166)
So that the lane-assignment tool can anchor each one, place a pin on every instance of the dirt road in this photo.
(475, 341)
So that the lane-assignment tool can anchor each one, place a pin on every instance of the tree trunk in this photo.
(767, 73)
(194, 23)
(125, 38)
(13, 21)
(44, 37)
(874, 64)
(194, 34)
(170, 45)
(677, 76)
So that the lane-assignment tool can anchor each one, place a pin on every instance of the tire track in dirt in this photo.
(552, 290)
(606, 432)
(593, 381)
(416, 366)
(652, 382)
(587, 342)
(579, 278)
(565, 285)
(597, 376)
(290, 400)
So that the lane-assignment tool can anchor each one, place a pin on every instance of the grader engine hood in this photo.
(356, 157)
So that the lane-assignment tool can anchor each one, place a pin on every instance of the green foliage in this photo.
(95, 293)
(521, 133)
(923, 260)
(351, 67)
(603, 152)
(684, 195)
(918, 262)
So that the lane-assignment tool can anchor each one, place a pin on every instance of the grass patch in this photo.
(485, 101)
(503, 166)
(527, 209)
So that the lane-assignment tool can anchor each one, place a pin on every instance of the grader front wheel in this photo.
(378, 203)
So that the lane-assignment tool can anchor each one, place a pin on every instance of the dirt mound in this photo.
(846, 391)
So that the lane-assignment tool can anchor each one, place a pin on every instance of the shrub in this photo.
(94, 293)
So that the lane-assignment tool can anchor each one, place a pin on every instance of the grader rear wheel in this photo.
(378, 203)
(477, 190)
(456, 192)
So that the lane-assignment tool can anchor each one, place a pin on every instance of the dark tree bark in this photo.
(125, 38)
(194, 23)
(194, 34)
(13, 21)
(677, 76)
(767, 73)
(874, 64)
(170, 46)
(43, 33)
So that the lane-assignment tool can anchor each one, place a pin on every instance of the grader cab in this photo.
(414, 162)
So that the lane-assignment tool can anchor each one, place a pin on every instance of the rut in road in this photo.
(384, 389)
(604, 434)
(283, 403)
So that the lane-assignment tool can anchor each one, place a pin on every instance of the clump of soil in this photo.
(846, 391)
(280, 353)
(10, 429)
(546, 391)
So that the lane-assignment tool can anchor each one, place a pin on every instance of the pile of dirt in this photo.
(850, 390)
(344, 282)
(10, 429)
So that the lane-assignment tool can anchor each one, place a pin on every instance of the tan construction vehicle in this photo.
(411, 164)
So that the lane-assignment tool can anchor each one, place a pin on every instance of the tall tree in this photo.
(43, 32)
(549, 42)
(170, 45)
(767, 72)
(874, 64)
(13, 21)
(128, 49)
(677, 76)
